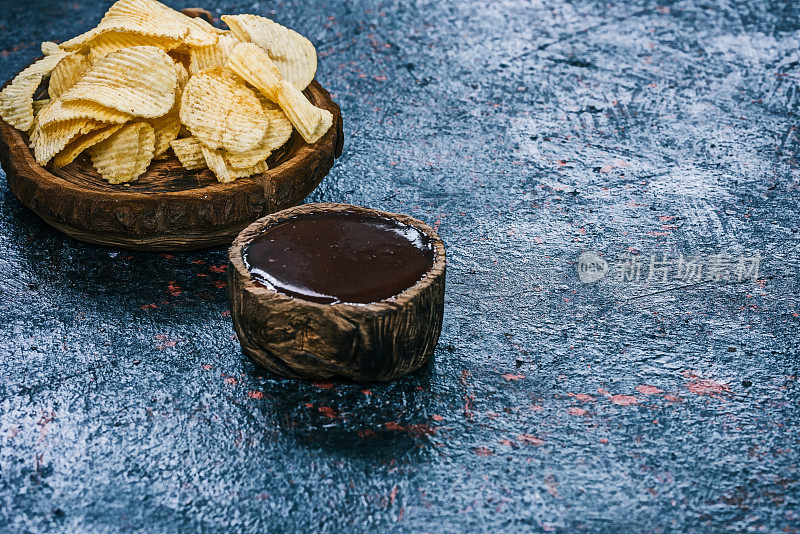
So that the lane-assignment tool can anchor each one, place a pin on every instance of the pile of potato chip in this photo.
(149, 79)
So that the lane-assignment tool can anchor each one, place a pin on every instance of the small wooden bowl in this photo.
(361, 342)
(169, 207)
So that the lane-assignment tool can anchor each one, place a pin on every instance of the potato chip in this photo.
(167, 127)
(66, 73)
(148, 18)
(60, 111)
(16, 99)
(190, 153)
(215, 159)
(280, 128)
(293, 54)
(254, 66)
(82, 142)
(183, 77)
(113, 41)
(222, 113)
(310, 121)
(49, 48)
(140, 80)
(38, 105)
(166, 130)
(279, 131)
(125, 155)
(47, 142)
(207, 26)
(245, 160)
(208, 57)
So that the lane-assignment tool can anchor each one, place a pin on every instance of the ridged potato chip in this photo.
(222, 113)
(140, 80)
(183, 77)
(293, 54)
(125, 155)
(209, 57)
(47, 142)
(167, 127)
(66, 73)
(254, 66)
(38, 105)
(113, 41)
(215, 159)
(279, 131)
(16, 100)
(245, 160)
(280, 128)
(310, 121)
(49, 48)
(189, 152)
(166, 130)
(82, 142)
(60, 111)
(149, 18)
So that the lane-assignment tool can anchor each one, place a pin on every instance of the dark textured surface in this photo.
(527, 133)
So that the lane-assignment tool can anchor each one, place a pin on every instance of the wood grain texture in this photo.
(167, 208)
(361, 342)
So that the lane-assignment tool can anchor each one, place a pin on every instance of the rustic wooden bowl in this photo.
(361, 342)
(168, 208)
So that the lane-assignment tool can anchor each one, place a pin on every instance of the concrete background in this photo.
(527, 133)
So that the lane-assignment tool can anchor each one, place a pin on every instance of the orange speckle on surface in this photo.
(624, 400)
(436, 417)
(509, 376)
(365, 434)
(366, 392)
(219, 284)
(537, 407)
(327, 411)
(207, 366)
(603, 440)
(672, 398)
(583, 397)
(576, 411)
(602, 391)
(218, 268)
(323, 385)
(309, 405)
(174, 289)
(708, 387)
(231, 381)
(530, 439)
(255, 395)
(648, 390)
(483, 451)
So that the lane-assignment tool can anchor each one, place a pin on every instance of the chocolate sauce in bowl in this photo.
(340, 257)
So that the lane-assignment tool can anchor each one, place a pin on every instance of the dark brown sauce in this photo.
(340, 257)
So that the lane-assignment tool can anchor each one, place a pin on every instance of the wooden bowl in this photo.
(167, 208)
(361, 342)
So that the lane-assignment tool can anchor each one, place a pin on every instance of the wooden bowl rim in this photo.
(246, 236)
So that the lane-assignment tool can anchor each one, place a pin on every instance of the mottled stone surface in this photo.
(527, 133)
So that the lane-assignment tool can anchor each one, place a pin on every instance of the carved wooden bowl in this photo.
(360, 342)
(169, 207)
